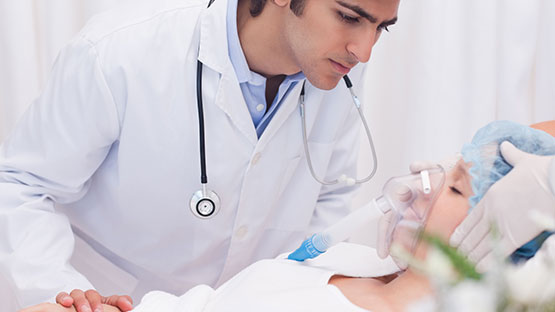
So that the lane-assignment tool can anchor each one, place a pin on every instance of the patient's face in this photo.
(450, 208)
(448, 211)
(452, 203)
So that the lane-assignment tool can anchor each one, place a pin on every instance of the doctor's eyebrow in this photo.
(360, 11)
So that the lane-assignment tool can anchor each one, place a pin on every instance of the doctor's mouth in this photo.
(343, 70)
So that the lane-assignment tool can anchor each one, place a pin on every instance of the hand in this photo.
(510, 204)
(91, 300)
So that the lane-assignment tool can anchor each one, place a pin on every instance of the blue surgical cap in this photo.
(488, 166)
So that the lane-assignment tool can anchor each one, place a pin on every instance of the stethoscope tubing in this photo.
(202, 136)
(206, 203)
(356, 101)
(366, 129)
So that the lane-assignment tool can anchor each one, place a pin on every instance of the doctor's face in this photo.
(331, 36)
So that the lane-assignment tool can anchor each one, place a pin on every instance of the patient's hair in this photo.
(488, 166)
(257, 6)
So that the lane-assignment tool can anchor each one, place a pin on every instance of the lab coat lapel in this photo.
(291, 105)
(214, 54)
(230, 99)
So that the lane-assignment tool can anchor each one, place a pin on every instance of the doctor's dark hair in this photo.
(257, 6)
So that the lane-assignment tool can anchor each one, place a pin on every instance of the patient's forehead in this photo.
(461, 168)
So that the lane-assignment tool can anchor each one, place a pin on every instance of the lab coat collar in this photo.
(214, 54)
(213, 49)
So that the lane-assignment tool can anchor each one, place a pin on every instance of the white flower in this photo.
(470, 295)
(426, 304)
(505, 287)
(439, 266)
(531, 283)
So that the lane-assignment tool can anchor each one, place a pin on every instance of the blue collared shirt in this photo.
(253, 85)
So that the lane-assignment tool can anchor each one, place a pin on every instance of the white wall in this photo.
(32, 32)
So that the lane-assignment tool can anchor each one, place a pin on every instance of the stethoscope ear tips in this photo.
(205, 204)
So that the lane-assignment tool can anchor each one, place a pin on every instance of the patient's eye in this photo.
(455, 190)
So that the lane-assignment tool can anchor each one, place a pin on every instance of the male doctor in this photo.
(110, 151)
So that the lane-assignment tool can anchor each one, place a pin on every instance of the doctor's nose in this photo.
(361, 45)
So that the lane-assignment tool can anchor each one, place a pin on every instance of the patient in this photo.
(350, 277)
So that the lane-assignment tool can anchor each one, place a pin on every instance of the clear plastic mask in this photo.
(410, 198)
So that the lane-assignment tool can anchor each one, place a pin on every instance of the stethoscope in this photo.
(205, 203)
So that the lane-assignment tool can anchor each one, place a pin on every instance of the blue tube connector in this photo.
(310, 248)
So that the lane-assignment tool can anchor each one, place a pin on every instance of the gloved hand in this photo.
(508, 204)
(385, 220)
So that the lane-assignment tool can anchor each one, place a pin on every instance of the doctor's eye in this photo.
(455, 190)
(383, 27)
(348, 18)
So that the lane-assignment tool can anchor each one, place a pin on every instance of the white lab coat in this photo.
(110, 152)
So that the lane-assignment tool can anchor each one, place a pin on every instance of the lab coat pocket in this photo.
(288, 173)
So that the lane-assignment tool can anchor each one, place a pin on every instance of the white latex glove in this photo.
(509, 204)
(385, 220)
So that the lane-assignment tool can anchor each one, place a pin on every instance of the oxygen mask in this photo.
(407, 200)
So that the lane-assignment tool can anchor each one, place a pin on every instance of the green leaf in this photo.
(464, 268)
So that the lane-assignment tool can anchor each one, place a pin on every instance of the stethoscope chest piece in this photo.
(205, 204)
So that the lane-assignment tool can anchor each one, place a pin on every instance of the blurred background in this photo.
(447, 68)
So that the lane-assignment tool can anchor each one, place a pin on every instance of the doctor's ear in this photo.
(296, 6)
(281, 3)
